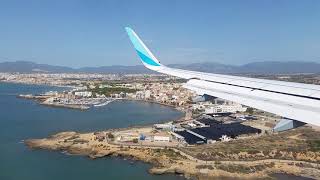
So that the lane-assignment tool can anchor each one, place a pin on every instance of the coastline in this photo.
(174, 161)
(168, 159)
(171, 160)
(40, 100)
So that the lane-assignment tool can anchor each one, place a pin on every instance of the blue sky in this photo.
(91, 33)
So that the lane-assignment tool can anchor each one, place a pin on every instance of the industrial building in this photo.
(215, 131)
(191, 138)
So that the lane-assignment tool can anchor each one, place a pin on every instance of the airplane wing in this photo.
(290, 100)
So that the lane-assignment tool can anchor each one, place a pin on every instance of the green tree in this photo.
(135, 140)
(110, 135)
(249, 110)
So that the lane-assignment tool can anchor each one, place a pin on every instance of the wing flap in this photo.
(278, 104)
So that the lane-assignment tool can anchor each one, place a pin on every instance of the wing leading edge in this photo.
(290, 100)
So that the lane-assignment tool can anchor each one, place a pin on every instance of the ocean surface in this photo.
(23, 119)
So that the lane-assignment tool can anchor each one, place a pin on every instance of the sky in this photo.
(79, 33)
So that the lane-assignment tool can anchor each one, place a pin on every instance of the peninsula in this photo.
(255, 158)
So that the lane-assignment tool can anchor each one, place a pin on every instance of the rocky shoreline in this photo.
(170, 160)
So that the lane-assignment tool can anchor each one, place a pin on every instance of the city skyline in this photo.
(81, 33)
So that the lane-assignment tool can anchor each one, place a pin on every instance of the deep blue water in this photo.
(22, 119)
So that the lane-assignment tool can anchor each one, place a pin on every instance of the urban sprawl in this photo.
(206, 120)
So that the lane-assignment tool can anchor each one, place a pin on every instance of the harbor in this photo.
(68, 102)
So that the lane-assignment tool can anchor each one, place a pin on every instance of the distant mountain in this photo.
(28, 67)
(255, 68)
(272, 67)
(267, 67)
(207, 67)
(116, 69)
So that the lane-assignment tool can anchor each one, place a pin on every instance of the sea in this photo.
(22, 119)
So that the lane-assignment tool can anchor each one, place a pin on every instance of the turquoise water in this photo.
(22, 119)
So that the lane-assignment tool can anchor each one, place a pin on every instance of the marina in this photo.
(51, 99)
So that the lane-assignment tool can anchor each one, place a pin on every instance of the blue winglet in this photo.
(144, 53)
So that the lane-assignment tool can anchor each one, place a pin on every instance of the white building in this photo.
(104, 86)
(225, 109)
(147, 94)
(191, 124)
(140, 95)
(167, 126)
(92, 86)
(202, 105)
(83, 93)
(100, 95)
(225, 138)
(159, 138)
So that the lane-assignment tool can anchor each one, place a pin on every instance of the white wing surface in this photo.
(290, 100)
